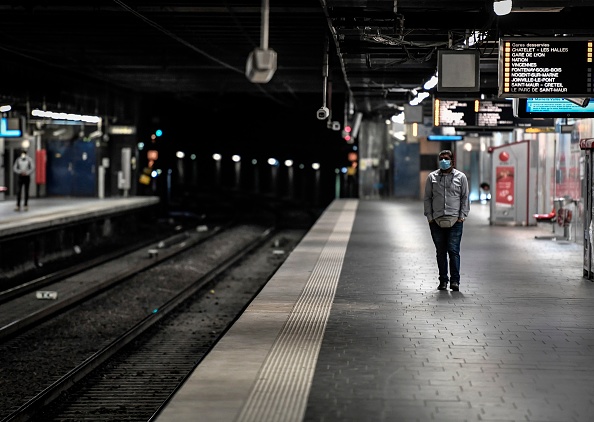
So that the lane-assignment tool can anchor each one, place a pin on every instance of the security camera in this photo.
(322, 113)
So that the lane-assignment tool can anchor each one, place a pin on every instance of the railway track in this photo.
(58, 371)
(21, 309)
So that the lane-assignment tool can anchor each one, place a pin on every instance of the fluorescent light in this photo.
(417, 100)
(95, 134)
(398, 118)
(502, 7)
(66, 116)
(430, 83)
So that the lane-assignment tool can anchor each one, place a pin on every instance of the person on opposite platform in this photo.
(23, 167)
(446, 206)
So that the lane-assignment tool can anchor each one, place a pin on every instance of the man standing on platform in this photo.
(446, 205)
(23, 167)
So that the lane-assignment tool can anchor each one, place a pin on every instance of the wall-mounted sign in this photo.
(545, 67)
(10, 128)
(504, 185)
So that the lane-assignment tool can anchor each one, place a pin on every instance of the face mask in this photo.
(445, 164)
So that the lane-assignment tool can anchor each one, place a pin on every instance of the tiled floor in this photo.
(515, 344)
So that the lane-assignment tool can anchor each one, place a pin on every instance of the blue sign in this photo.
(5, 132)
(445, 138)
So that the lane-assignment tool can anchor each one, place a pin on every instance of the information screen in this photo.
(495, 114)
(457, 113)
(545, 67)
(473, 113)
(553, 107)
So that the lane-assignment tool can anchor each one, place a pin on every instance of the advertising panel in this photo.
(504, 186)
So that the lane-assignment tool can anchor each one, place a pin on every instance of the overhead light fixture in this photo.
(431, 83)
(502, 7)
(95, 134)
(66, 116)
(398, 118)
(419, 98)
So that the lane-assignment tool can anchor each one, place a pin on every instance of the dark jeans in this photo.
(23, 182)
(447, 244)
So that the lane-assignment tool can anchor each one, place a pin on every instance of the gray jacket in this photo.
(23, 165)
(446, 194)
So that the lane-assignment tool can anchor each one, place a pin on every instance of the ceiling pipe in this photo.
(324, 112)
(325, 69)
(264, 26)
(337, 45)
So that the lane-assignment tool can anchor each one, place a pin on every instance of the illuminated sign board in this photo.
(10, 128)
(484, 114)
(552, 107)
(456, 113)
(445, 138)
(494, 113)
(545, 67)
(474, 113)
(121, 130)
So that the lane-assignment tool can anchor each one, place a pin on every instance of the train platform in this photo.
(353, 328)
(43, 213)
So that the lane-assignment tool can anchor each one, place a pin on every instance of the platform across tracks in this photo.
(43, 213)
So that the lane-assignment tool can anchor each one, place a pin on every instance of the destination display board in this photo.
(545, 67)
(553, 107)
(473, 113)
(484, 114)
(456, 113)
(495, 114)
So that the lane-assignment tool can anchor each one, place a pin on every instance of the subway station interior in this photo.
(147, 116)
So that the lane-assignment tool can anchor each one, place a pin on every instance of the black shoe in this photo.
(455, 286)
(443, 285)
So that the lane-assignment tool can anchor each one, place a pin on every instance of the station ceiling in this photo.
(377, 50)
